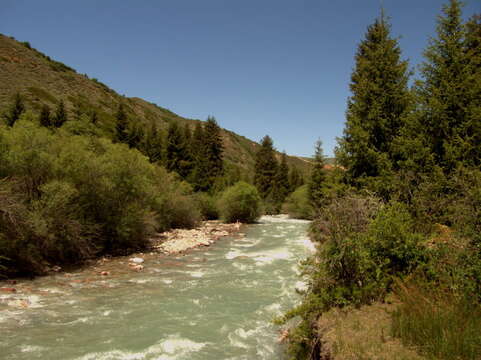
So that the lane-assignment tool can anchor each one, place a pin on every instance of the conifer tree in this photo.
(265, 168)
(15, 110)
(121, 124)
(94, 118)
(214, 149)
(380, 99)
(153, 144)
(177, 157)
(443, 93)
(295, 179)
(317, 178)
(60, 115)
(44, 118)
(281, 181)
(135, 135)
(472, 130)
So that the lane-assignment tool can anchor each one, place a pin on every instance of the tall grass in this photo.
(440, 325)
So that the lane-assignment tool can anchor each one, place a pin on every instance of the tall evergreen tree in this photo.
(15, 110)
(153, 144)
(317, 178)
(177, 157)
(60, 117)
(45, 118)
(214, 149)
(265, 168)
(472, 130)
(135, 135)
(121, 134)
(443, 92)
(375, 111)
(281, 189)
(295, 179)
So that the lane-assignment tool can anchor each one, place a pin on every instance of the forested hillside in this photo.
(41, 81)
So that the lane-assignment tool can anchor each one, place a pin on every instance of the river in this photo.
(212, 303)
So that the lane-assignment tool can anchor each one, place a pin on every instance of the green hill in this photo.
(42, 80)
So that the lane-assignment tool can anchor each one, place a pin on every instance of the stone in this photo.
(11, 290)
(104, 273)
(136, 260)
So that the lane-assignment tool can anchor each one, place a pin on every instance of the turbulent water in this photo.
(213, 303)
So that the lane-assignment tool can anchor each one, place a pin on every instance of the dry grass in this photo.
(362, 334)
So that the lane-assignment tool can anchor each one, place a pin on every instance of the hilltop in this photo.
(42, 80)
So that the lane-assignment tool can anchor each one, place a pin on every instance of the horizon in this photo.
(260, 69)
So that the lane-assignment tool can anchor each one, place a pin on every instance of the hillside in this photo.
(42, 80)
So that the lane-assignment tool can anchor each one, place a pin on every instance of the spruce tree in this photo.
(15, 110)
(265, 168)
(177, 157)
(60, 117)
(443, 92)
(121, 124)
(295, 179)
(317, 178)
(94, 118)
(45, 118)
(375, 111)
(135, 135)
(281, 181)
(213, 148)
(153, 144)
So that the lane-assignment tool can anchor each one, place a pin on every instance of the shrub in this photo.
(207, 206)
(240, 202)
(297, 204)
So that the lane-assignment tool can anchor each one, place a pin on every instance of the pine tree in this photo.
(295, 179)
(317, 178)
(44, 118)
(60, 117)
(265, 168)
(121, 124)
(135, 135)
(472, 130)
(443, 93)
(380, 99)
(153, 144)
(281, 181)
(214, 149)
(15, 111)
(177, 157)
(94, 118)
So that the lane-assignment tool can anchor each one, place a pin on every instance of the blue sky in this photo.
(260, 67)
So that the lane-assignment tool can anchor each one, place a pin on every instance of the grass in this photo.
(362, 334)
(441, 325)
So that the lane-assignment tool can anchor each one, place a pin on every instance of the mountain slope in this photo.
(42, 80)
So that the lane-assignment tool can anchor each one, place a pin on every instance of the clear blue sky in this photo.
(260, 67)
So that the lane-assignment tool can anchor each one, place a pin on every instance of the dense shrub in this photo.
(68, 197)
(240, 202)
(297, 204)
(207, 205)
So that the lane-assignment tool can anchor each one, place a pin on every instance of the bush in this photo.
(69, 197)
(240, 202)
(207, 206)
(297, 204)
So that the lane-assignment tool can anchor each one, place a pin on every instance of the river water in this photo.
(213, 303)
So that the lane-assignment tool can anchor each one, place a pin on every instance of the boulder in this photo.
(136, 260)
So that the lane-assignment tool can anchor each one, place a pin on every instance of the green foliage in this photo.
(16, 109)
(207, 205)
(295, 179)
(44, 118)
(69, 197)
(297, 204)
(380, 100)
(281, 181)
(178, 157)
(265, 168)
(240, 202)
(121, 125)
(60, 116)
(317, 179)
(442, 325)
